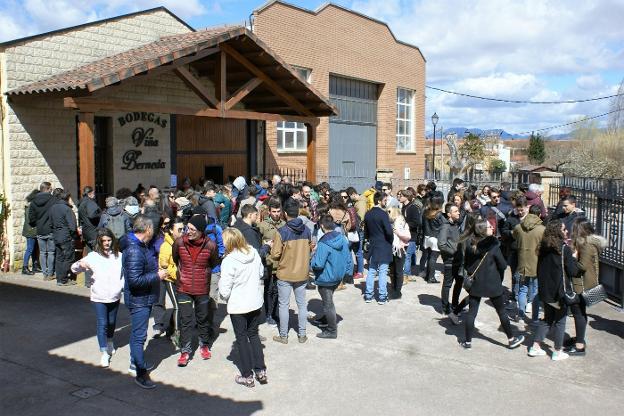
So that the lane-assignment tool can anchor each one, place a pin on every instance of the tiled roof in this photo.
(116, 68)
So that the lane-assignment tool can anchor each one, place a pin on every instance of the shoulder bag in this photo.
(594, 295)
(469, 279)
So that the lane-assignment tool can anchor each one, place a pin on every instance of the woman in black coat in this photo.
(554, 286)
(485, 263)
(433, 218)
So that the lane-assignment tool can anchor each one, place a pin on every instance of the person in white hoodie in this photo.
(241, 286)
(106, 285)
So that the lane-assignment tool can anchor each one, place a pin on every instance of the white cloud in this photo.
(590, 82)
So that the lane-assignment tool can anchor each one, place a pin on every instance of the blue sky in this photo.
(517, 49)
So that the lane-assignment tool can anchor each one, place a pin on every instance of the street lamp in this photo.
(434, 120)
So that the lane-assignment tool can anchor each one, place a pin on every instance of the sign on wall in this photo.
(141, 137)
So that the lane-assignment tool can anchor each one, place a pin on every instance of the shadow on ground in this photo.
(36, 324)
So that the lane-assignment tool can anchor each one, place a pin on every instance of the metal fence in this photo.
(602, 201)
(296, 175)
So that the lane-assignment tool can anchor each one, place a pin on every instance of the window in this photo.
(291, 136)
(405, 120)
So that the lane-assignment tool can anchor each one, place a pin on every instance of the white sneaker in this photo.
(528, 309)
(536, 352)
(478, 324)
(105, 360)
(110, 348)
(558, 356)
(454, 318)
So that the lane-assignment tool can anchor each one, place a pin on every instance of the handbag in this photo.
(569, 299)
(594, 295)
(469, 280)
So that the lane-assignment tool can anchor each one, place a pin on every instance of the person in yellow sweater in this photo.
(166, 322)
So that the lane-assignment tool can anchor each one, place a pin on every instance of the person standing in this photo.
(400, 241)
(195, 255)
(380, 236)
(268, 228)
(104, 263)
(451, 257)
(589, 245)
(165, 323)
(291, 253)
(241, 286)
(207, 202)
(141, 289)
(556, 266)
(64, 229)
(484, 262)
(412, 213)
(569, 213)
(39, 217)
(89, 216)
(527, 236)
(330, 263)
(30, 233)
(114, 218)
(432, 222)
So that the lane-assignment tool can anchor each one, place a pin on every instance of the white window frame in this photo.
(298, 131)
(407, 122)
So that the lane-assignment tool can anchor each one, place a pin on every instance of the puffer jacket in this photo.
(194, 275)
(291, 251)
(589, 250)
(487, 276)
(140, 271)
(528, 235)
(241, 281)
(448, 239)
(332, 260)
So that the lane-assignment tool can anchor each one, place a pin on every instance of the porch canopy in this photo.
(232, 71)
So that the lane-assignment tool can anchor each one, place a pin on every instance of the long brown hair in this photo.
(553, 237)
(99, 247)
(433, 208)
(580, 231)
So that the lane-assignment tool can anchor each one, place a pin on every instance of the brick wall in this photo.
(336, 41)
(38, 133)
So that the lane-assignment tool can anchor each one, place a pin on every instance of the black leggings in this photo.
(397, 273)
(499, 305)
(579, 312)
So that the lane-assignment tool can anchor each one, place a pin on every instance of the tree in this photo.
(537, 153)
(497, 166)
(472, 151)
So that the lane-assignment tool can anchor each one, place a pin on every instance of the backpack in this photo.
(117, 225)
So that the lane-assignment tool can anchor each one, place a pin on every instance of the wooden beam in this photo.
(311, 153)
(222, 81)
(196, 86)
(242, 92)
(86, 149)
(87, 104)
(272, 85)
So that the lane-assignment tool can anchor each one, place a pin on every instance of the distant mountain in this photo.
(461, 131)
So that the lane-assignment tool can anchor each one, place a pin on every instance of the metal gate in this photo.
(353, 132)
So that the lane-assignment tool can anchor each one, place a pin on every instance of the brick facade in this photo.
(337, 41)
(38, 133)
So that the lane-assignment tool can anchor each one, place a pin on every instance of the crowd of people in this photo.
(252, 245)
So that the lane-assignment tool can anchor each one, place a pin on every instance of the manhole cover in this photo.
(86, 393)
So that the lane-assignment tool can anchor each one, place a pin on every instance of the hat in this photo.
(182, 202)
(240, 183)
(131, 201)
(199, 222)
(111, 201)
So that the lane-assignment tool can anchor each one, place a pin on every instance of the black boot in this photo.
(26, 271)
(36, 267)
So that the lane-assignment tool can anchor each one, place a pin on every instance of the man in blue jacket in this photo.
(141, 289)
(331, 262)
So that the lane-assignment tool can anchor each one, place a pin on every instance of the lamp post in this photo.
(434, 120)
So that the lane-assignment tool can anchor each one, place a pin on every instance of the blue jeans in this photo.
(283, 298)
(139, 319)
(527, 293)
(47, 249)
(106, 315)
(409, 254)
(359, 255)
(30, 247)
(515, 285)
(375, 269)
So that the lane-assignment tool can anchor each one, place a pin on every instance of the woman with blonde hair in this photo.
(401, 240)
(241, 286)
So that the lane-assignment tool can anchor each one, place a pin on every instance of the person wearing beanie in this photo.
(195, 255)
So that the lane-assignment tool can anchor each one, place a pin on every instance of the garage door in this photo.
(353, 133)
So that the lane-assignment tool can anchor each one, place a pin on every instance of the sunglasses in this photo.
(344, 196)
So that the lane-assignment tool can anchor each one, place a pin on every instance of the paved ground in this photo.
(398, 359)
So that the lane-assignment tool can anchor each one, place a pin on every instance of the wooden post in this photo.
(311, 154)
(86, 150)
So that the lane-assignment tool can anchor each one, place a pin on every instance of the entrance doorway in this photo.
(103, 158)
(214, 173)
